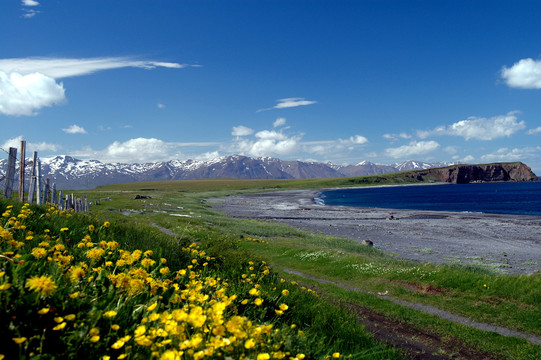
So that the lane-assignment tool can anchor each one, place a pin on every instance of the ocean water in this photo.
(519, 198)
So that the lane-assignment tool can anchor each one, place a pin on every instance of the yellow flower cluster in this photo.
(133, 303)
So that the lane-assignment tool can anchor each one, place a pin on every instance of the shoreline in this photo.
(508, 244)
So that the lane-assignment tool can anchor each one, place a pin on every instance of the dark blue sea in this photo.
(519, 198)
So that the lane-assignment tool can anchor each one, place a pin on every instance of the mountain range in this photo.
(74, 174)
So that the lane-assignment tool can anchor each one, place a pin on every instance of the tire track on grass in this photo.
(431, 310)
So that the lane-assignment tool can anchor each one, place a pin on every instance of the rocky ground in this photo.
(503, 243)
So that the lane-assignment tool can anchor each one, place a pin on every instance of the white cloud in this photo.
(24, 94)
(74, 129)
(412, 149)
(516, 154)
(58, 68)
(264, 143)
(270, 135)
(29, 84)
(279, 122)
(29, 13)
(537, 130)
(480, 128)
(354, 140)
(525, 74)
(30, 146)
(161, 106)
(241, 131)
(289, 103)
(395, 137)
(137, 150)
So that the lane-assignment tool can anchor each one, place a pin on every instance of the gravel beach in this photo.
(504, 243)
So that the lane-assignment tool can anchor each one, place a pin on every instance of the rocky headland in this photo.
(464, 174)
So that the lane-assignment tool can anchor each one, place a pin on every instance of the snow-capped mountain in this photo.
(420, 165)
(74, 174)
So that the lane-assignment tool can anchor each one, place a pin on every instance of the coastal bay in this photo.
(503, 243)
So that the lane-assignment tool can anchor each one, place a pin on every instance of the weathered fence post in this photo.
(32, 186)
(61, 201)
(10, 173)
(21, 170)
(38, 183)
(53, 194)
(46, 194)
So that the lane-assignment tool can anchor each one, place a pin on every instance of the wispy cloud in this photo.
(59, 68)
(29, 84)
(480, 128)
(74, 129)
(395, 137)
(29, 13)
(241, 130)
(537, 130)
(279, 122)
(140, 150)
(289, 103)
(414, 148)
(354, 140)
(524, 74)
(161, 106)
(30, 146)
(515, 154)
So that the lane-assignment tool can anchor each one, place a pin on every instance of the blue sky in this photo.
(339, 81)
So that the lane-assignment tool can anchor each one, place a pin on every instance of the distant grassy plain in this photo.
(338, 268)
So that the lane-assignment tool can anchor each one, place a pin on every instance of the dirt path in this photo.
(431, 310)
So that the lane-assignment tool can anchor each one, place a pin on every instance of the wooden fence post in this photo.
(21, 170)
(32, 186)
(53, 194)
(46, 194)
(38, 183)
(10, 173)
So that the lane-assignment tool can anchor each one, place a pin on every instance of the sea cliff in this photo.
(464, 174)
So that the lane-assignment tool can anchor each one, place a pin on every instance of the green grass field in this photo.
(346, 277)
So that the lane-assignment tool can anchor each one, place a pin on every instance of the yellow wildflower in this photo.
(60, 326)
(43, 311)
(118, 344)
(43, 285)
(19, 340)
(95, 254)
(254, 292)
(250, 343)
(107, 224)
(336, 355)
(91, 227)
(110, 314)
(5, 286)
(285, 292)
(64, 229)
(258, 301)
(39, 252)
(76, 274)
(95, 338)
(284, 307)
(263, 356)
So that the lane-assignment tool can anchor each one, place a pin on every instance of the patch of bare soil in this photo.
(428, 289)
